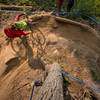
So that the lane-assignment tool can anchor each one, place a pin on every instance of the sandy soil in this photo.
(74, 45)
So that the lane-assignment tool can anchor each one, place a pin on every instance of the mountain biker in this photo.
(15, 29)
(69, 4)
(60, 2)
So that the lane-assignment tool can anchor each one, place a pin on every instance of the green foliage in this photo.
(95, 73)
(26, 2)
(4, 16)
(97, 7)
(90, 7)
(89, 96)
(23, 2)
(85, 6)
(79, 19)
(66, 81)
(18, 2)
(25, 8)
(98, 18)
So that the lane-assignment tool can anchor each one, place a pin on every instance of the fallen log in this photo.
(14, 7)
(52, 88)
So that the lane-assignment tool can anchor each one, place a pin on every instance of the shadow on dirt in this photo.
(11, 64)
(33, 63)
(23, 46)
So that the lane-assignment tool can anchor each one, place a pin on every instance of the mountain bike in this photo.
(36, 39)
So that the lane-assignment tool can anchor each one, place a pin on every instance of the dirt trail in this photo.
(75, 46)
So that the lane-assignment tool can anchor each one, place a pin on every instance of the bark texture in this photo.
(14, 7)
(52, 88)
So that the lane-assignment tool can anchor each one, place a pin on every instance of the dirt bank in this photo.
(73, 45)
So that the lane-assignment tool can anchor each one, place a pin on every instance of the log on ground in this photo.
(52, 88)
(14, 7)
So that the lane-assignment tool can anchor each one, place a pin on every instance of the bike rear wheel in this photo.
(18, 47)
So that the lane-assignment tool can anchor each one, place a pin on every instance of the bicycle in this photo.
(36, 38)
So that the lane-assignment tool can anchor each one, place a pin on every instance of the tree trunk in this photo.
(14, 7)
(52, 88)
